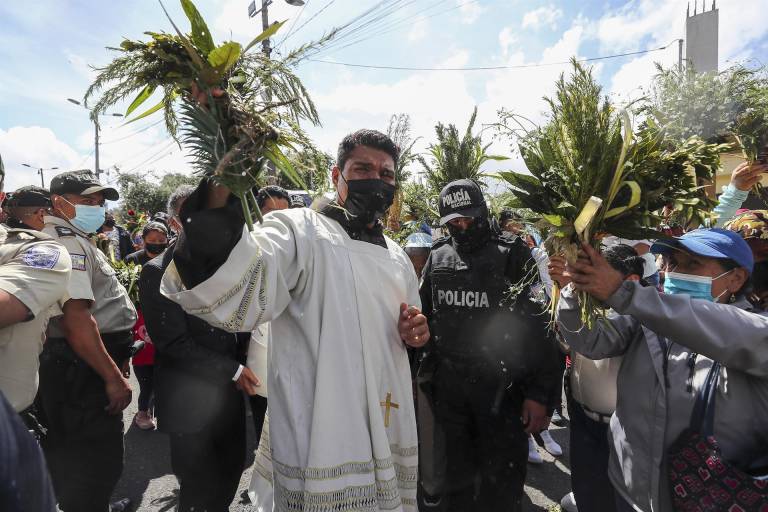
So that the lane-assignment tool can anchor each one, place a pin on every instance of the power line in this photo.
(372, 23)
(371, 16)
(152, 158)
(145, 128)
(492, 68)
(330, 3)
(140, 154)
(392, 26)
(290, 29)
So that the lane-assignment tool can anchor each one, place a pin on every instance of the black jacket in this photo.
(481, 312)
(194, 363)
(138, 258)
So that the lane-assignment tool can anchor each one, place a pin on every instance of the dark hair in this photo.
(369, 138)
(507, 215)
(154, 226)
(625, 259)
(177, 197)
(271, 191)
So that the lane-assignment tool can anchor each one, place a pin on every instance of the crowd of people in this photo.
(379, 377)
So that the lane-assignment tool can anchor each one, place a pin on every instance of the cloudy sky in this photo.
(47, 46)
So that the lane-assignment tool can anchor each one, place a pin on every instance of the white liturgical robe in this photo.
(342, 426)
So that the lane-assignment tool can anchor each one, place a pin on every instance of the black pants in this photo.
(486, 453)
(259, 411)
(589, 462)
(84, 445)
(209, 463)
(145, 375)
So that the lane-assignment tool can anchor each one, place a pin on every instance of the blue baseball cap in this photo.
(421, 240)
(712, 243)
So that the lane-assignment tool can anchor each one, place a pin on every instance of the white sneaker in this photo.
(568, 503)
(534, 457)
(144, 421)
(550, 444)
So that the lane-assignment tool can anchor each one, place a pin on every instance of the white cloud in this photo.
(145, 151)
(470, 11)
(36, 146)
(418, 31)
(429, 97)
(522, 90)
(546, 16)
(507, 38)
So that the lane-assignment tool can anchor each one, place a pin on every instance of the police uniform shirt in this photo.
(34, 269)
(93, 279)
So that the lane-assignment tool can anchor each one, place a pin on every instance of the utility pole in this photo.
(265, 44)
(95, 118)
(680, 56)
(96, 147)
(40, 171)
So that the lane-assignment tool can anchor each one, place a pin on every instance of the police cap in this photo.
(29, 196)
(461, 198)
(81, 183)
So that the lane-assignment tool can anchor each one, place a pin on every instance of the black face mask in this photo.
(368, 200)
(155, 248)
(474, 237)
(110, 223)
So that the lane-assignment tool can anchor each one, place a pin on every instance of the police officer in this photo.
(82, 388)
(27, 207)
(34, 271)
(495, 369)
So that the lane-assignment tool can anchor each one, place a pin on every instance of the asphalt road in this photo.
(148, 480)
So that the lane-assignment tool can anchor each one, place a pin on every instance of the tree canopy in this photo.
(141, 194)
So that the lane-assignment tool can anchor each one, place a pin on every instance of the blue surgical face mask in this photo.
(88, 218)
(696, 287)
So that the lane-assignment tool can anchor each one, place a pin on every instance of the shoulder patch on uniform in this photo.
(41, 256)
(78, 261)
(64, 231)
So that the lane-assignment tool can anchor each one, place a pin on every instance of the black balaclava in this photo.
(475, 236)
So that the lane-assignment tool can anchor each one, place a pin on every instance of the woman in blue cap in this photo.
(670, 342)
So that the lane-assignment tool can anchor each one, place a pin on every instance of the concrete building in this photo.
(701, 37)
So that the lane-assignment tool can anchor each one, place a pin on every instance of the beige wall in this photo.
(729, 161)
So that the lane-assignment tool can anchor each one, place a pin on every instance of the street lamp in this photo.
(40, 172)
(95, 119)
(253, 11)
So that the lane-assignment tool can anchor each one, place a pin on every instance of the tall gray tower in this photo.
(701, 37)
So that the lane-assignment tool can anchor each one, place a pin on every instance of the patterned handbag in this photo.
(700, 479)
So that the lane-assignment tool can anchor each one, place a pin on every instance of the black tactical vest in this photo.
(475, 314)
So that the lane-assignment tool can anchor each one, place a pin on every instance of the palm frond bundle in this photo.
(455, 156)
(233, 109)
(592, 173)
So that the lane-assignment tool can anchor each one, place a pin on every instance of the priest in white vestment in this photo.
(343, 303)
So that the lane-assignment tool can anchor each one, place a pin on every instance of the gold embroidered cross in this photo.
(388, 404)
